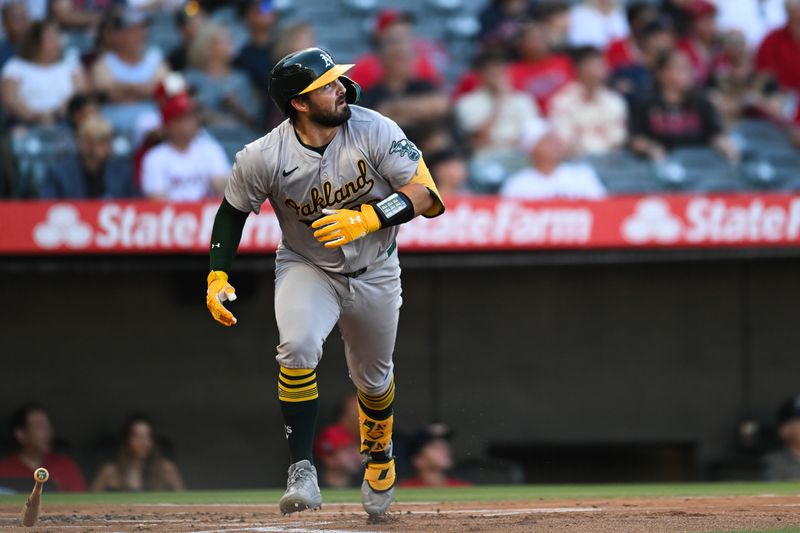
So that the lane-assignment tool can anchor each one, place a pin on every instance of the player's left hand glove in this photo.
(219, 290)
(342, 226)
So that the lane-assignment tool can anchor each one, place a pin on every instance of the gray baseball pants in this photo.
(309, 301)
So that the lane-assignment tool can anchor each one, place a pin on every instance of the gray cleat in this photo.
(378, 487)
(302, 490)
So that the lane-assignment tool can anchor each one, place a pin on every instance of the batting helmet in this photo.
(304, 71)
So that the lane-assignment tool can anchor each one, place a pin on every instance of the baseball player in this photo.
(341, 179)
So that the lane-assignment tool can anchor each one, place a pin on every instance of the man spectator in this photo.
(431, 458)
(395, 27)
(702, 42)
(189, 165)
(495, 115)
(15, 26)
(755, 18)
(548, 176)
(93, 172)
(188, 20)
(80, 107)
(32, 433)
(784, 464)
(255, 58)
(128, 73)
(401, 95)
(539, 72)
(449, 170)
(779, 53)
(597, 23)
(338, 454)
(590, 118)
(500, 19)
(635, 79)
(627, 50)
(555, 20)
(675, 115)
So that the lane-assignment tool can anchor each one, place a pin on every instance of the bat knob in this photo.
(41, 475)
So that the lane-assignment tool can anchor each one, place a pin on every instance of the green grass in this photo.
(482, 493)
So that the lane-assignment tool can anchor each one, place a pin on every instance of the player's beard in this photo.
(329, 119)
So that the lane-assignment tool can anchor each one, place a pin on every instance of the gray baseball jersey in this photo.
(368, 158)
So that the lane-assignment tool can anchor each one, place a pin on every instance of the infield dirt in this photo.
(628, 515)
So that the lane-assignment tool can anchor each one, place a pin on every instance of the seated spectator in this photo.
(626, 51)
(71, 16)
(411, 101)
(597, 23)
(588, 117)
(495, 115)
(393, 27)
(784, 464)
(449, 170)
(431, 458)
(500, 20)
(755, 18)
(338, 454)
(32, 434)
(702, 41)
(189, 165)
(15, 27)
(37, 84)
(128, 73)
(291, 38)
(93, 172)
(138, 466)
(80, 107)
(555, 21)
(635, 79)
(256, 58)
(548, 176)
(675, 115)
(224, 95)
(188, 20)
(677, 11)
(538, 72)
(779, 53)
(738, 90)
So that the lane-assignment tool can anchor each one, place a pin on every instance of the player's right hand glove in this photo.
(219, 290)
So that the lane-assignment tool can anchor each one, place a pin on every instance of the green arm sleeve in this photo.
(225, 236)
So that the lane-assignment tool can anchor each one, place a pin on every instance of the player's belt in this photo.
(355, 274)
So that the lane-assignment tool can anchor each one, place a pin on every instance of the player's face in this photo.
(327, 106)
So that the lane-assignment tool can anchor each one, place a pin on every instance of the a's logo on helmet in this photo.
(327, 59)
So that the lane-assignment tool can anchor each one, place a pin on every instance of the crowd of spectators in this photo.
(552, 84)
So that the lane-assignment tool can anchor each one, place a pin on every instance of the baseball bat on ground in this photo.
(34, 503)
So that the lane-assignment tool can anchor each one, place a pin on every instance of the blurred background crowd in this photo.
(524, 98)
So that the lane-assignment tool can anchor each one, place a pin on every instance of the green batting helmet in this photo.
(304, 71)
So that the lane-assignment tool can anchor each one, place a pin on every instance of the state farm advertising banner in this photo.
(470, 224)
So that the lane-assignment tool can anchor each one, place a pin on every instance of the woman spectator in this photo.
(675, 115)
(37, 84)
(223, 94)
(702, 42)
(139, 465)
(129, 71)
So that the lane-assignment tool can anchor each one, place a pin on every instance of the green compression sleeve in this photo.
(225, 236)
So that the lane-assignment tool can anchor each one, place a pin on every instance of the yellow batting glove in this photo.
(219, 290)
(341, 226)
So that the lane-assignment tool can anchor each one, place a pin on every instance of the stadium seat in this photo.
(701, 170)
(33, 149)
(755, 134)
(486, 175)
(623, 173)
(232, 138)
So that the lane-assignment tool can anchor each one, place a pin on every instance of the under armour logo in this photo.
(355, 219)
(216, 245)
(327, 59)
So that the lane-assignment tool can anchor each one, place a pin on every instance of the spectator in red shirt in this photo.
(429, 451)
(779, 54)
(338, 454)
(394, 26)
(33, 434)
(675, 115)
(702, 41)
(539, 72)
(635, 79)
(626, 51)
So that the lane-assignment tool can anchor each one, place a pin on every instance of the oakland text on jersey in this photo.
(330, 197)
